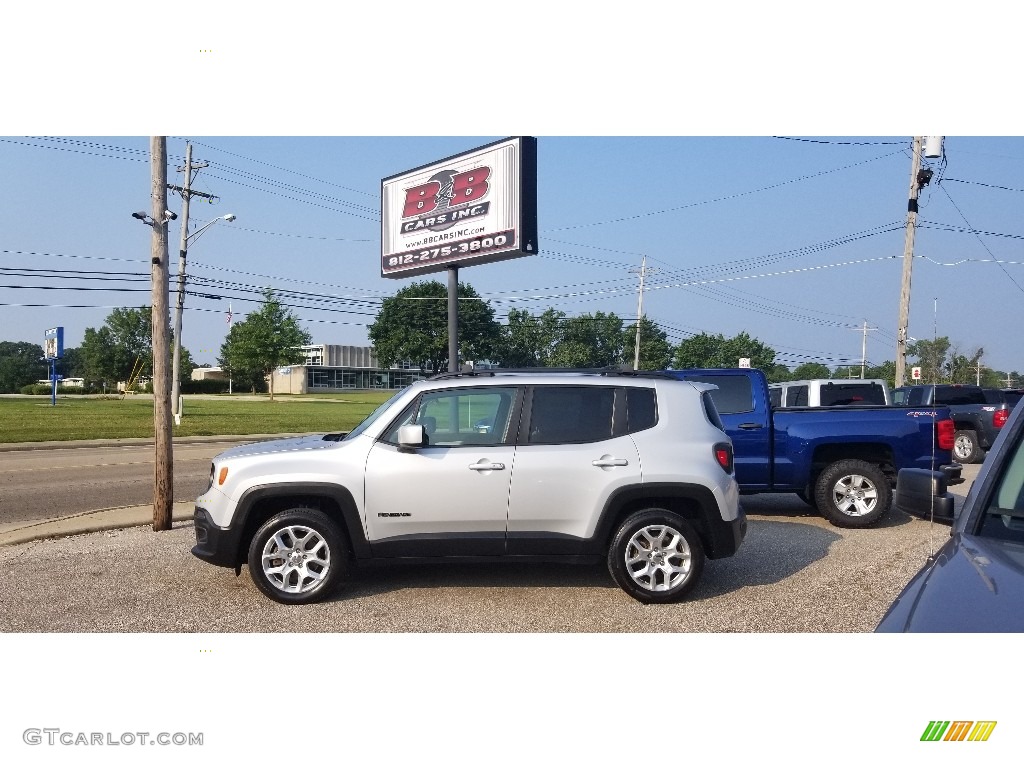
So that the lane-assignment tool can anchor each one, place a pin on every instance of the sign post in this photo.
(53, 350)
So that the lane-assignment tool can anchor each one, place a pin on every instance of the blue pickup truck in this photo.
(841, 459)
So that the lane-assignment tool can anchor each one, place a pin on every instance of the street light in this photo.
(186, 239)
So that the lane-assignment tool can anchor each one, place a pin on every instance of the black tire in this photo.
(853, 493)
(313, 556)
(965, 447)
(644, 549)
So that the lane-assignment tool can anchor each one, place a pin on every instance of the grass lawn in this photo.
(33, 419)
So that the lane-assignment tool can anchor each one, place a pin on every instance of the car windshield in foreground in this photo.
(1004, 514)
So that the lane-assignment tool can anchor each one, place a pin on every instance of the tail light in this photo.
(723, 455)
(999, 418)
(944, 431)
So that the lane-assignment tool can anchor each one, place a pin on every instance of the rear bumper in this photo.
(727, 536)
(953, 473)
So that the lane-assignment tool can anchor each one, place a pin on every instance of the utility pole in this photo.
(643, 271)
(918, 179)
(163, 475)
(908, 265)
(186, 194)
(864, 346)
(977, 370)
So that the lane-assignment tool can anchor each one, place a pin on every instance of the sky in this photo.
(657, 130)
(796, 240)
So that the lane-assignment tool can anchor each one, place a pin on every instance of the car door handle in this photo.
(480, 466)
(609, 462)
(751, 425)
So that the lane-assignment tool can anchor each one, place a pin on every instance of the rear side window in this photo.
(852, 394)
(641, 409)
(796, 396)
(571, 414)
(959, 396)
(735, 394)
(710, 410)
(775, 396)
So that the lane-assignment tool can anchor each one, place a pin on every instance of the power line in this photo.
(724, 198)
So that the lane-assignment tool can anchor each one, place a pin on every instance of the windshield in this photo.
(361, 427)
(1004, 514)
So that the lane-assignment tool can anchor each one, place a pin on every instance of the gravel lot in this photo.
(794, 573)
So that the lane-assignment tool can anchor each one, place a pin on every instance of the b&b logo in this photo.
(958, 730)
(448, 198)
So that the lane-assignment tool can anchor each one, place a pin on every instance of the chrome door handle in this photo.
(482, 465)
(751, 425)
(609, 462)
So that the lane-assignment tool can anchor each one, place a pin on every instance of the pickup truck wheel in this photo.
(853, 493)
(297, 556)
(656, 556)
(965, 447)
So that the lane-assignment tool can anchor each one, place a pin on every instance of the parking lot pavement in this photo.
(794, 573)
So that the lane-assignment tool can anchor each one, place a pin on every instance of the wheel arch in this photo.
(259, 503)
(694, 503)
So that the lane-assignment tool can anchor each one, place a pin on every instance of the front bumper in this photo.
(214, 544)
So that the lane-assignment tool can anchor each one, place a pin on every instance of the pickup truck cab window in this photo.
(735, 394)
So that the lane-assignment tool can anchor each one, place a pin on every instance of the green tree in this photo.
(715, 351)
(931, 356)
(266, 339)
(589, 341)
(21, 363)
(413, 325)
(886, 371)
(778, 372)
(655, 350)
(813, 371)
(528, 341)
(72, 365)
(121, 346)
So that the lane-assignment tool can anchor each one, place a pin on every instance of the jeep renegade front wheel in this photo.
(297, 556)
(656, 556)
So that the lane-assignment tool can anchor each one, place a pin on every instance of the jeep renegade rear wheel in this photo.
(297, 556)
(656, 556)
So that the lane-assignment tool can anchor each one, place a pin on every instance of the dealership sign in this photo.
(473, 208)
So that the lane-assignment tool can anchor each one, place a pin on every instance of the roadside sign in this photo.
(915, 373)
(744, 362)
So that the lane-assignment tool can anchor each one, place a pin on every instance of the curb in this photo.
(90, 522)
(124, 442)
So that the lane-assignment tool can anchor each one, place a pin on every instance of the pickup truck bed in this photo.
(841, 459)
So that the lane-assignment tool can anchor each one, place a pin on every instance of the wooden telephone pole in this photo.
(163, 465)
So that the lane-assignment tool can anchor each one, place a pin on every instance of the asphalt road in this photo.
(794, 573)
(40, 484)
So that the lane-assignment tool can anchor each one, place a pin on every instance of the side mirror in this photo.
(922, 493)
(411, 436)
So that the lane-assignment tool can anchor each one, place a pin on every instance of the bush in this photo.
(204, 387)
(46, 389)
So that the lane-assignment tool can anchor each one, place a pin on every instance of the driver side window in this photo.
(456, 417)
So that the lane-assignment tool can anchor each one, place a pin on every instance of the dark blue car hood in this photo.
(971, 585)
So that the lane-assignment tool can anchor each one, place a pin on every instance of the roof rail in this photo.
(609, 371)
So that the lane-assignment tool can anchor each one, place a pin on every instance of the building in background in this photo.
(336, 367)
